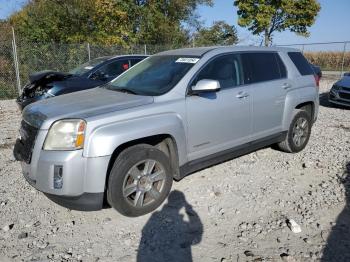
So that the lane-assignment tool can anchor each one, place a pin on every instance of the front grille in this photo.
(25, 144)
(344, 95)
(345, 88)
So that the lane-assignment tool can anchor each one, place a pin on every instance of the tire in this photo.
(291, 145)
(140, 180)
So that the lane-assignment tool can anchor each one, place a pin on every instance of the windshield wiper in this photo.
(124, 90)
(119, 89)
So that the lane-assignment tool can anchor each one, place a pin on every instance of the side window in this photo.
(114, 68)
(263, 66)
(226, 69)
(301, 63)
(135, 61)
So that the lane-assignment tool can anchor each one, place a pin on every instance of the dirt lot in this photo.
(235, 211)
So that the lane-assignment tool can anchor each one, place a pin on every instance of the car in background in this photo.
(340, 91)
(96, 72)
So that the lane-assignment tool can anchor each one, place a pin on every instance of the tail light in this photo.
(317, 80)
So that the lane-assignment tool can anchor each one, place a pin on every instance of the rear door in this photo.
(269, 85)
(219, 120)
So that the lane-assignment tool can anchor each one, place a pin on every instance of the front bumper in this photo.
(336, 98)
(83, 178)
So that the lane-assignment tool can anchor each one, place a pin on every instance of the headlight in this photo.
(66, 134)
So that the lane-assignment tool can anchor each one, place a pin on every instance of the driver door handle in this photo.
(286, 86)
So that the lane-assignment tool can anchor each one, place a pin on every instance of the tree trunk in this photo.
(267, 37)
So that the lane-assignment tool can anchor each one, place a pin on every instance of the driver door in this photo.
(219, 120)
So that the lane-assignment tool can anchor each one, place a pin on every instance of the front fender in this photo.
(104, 139)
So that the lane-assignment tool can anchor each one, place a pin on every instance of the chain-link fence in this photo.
(332, 57)
(7, 71)
(19, 59)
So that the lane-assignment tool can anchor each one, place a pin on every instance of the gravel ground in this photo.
(235, 211)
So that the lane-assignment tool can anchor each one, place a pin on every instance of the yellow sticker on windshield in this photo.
(189, 60)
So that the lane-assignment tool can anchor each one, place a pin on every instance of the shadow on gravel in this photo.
(167, 235)
(338, 243)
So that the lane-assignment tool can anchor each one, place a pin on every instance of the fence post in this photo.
(302, 50)
(145, 49)
(88, 50)
(342, 64)
(15, 61)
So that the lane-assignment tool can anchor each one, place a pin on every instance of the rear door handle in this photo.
(286, 86)
(241, 95)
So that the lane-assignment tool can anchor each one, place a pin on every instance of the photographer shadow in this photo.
(171, 232)
(338, 242)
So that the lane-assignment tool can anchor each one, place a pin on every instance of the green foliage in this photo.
(268, 16)
(70, 21)
(107, 22)
(220, 33)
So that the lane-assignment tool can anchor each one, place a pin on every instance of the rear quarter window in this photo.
(263, 66)
(301, 63)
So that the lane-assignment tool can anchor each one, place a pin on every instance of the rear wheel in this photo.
(140, 180)
(298, 134)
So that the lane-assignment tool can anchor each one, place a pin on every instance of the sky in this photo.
(332, 23)
(7, 7)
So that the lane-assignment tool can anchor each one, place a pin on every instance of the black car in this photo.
(340, 92)
(99, 71)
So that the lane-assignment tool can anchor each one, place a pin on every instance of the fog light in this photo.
(58, 177)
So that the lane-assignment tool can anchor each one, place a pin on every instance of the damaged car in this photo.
(96, 72)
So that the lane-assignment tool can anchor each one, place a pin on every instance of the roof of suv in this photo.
(200, 51)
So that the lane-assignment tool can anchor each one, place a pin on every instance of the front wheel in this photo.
(140, 180)
(298, 134)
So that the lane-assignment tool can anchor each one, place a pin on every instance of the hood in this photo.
(344, 82)
(39, 81)
(83, 104)
(47, 74)
(73, 84)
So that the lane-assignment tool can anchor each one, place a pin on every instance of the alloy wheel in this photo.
(144, 183)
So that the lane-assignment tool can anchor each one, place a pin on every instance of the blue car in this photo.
(340, 92)
(99, 71)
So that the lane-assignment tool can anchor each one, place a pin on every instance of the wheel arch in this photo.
(309, 107)
(164, 142)
(293, 102)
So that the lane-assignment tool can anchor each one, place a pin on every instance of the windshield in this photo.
(88, 66)
(154, 76)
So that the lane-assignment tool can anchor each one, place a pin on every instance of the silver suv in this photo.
(172, 114)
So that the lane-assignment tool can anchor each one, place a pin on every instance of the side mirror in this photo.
(206, 86)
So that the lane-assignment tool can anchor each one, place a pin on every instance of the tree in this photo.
(220, 33)
(73, 21)
(269, 16)
(107, 22)
(162, 22)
